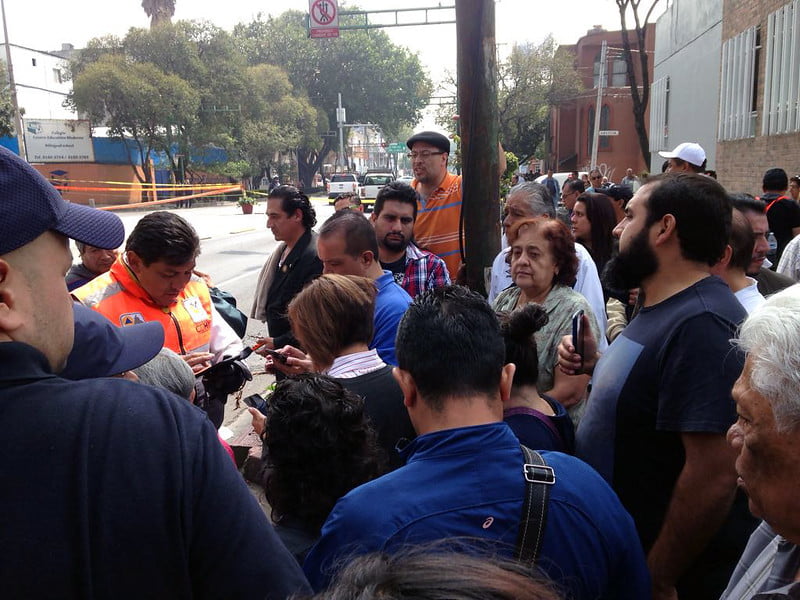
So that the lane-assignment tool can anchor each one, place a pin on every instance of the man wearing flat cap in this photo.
(88, 509)
(439, 210)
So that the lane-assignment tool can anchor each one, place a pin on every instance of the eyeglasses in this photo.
(596, 177)
(423, 155)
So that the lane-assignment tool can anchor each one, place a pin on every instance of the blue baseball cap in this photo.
(101, 349)
(30, 205)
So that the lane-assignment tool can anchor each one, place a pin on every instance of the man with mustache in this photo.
(393, 217)
(661, 397)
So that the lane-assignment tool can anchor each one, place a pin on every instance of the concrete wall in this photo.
(741, 163)
(39, 91)
(688, 49)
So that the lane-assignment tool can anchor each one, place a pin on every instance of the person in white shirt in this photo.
(732, 268)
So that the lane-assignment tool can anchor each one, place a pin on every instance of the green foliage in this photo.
(380, 82)
(6, 106)
(532, 79)
(512, 165)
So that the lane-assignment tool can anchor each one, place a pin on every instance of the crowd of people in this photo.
(619, 419)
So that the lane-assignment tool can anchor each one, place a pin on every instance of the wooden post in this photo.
(477, 101)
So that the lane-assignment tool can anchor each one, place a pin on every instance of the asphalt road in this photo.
(234, 247)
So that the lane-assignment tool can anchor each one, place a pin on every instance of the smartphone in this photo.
(256, 401)
(577, 333)
(281, 358)
(216, 366)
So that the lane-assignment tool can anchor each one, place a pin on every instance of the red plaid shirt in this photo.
(424, 271)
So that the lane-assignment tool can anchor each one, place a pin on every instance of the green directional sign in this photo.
(396, 147)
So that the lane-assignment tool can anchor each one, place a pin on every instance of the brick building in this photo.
(572, 122)
(759, 106)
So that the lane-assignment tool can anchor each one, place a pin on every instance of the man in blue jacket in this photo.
(463, 481)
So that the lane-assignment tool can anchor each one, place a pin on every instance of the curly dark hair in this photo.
(518, 327)
(319, 445)
(562, 245)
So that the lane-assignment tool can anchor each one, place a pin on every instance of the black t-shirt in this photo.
(783, 215)
(383, 405)
(670, 372)
(398, 269)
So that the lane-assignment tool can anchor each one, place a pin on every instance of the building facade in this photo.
(684, 95)
(759, 100)
(572, 122)
(42, 82)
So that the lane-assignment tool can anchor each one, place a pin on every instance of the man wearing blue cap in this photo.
(87, 509)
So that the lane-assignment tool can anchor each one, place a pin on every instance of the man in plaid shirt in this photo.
(393, 216)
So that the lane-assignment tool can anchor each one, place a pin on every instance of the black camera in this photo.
(256, 401)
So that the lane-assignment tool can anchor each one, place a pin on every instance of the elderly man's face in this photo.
(769, 460)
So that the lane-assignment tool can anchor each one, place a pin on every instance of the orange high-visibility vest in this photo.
(118, 296)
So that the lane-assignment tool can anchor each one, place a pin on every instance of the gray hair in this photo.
(537, 196)
(169, 371)
(771, 338)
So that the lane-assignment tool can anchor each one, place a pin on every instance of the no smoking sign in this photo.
(323, 19)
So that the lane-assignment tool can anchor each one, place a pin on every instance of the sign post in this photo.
(323, 19)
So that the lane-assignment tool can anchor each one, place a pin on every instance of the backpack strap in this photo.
(538, 479)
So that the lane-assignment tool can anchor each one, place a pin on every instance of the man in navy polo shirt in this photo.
(111, 489)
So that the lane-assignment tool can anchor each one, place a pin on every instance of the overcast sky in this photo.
(46, 24)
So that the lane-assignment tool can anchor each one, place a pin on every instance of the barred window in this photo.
(781, 77)
(659, 114)
(737, 89)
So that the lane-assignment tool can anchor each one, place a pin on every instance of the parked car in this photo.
(406, 179)
(560, 178)
(373, 182)
(342, 183)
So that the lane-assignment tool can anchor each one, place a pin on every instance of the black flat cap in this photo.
(430, 137)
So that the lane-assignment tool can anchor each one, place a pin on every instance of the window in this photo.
(781, 77)
(659, 114)
(57, 76)
(619, 73)
(597, 65)
(33, 62)
(737, 89)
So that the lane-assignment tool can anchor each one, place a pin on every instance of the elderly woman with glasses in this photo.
(543, 268)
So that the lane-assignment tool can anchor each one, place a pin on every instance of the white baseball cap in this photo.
(689, 151)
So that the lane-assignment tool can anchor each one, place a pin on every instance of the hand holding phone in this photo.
(281, 358)
(577, 334)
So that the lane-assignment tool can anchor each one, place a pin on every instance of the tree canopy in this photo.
(380, 82)
(262, 90)
(6, 106)
(533, 78)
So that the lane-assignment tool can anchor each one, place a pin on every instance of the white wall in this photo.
(39, 91)
(688, 48)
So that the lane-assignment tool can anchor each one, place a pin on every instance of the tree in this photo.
(159, 11)
(380, 82)
(6, 106)
(137, 101)
(640, 100)
(533, 78)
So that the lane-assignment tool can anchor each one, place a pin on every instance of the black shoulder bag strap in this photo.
(538, 479)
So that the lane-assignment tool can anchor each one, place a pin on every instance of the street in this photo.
(234, 247)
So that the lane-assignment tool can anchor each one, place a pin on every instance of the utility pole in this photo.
(477, 96)
(13, 86)
(599, 105)
(340, 120)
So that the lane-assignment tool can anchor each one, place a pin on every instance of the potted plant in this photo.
(246, 202)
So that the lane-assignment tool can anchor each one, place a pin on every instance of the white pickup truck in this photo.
(342, 183)
(373, 182)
